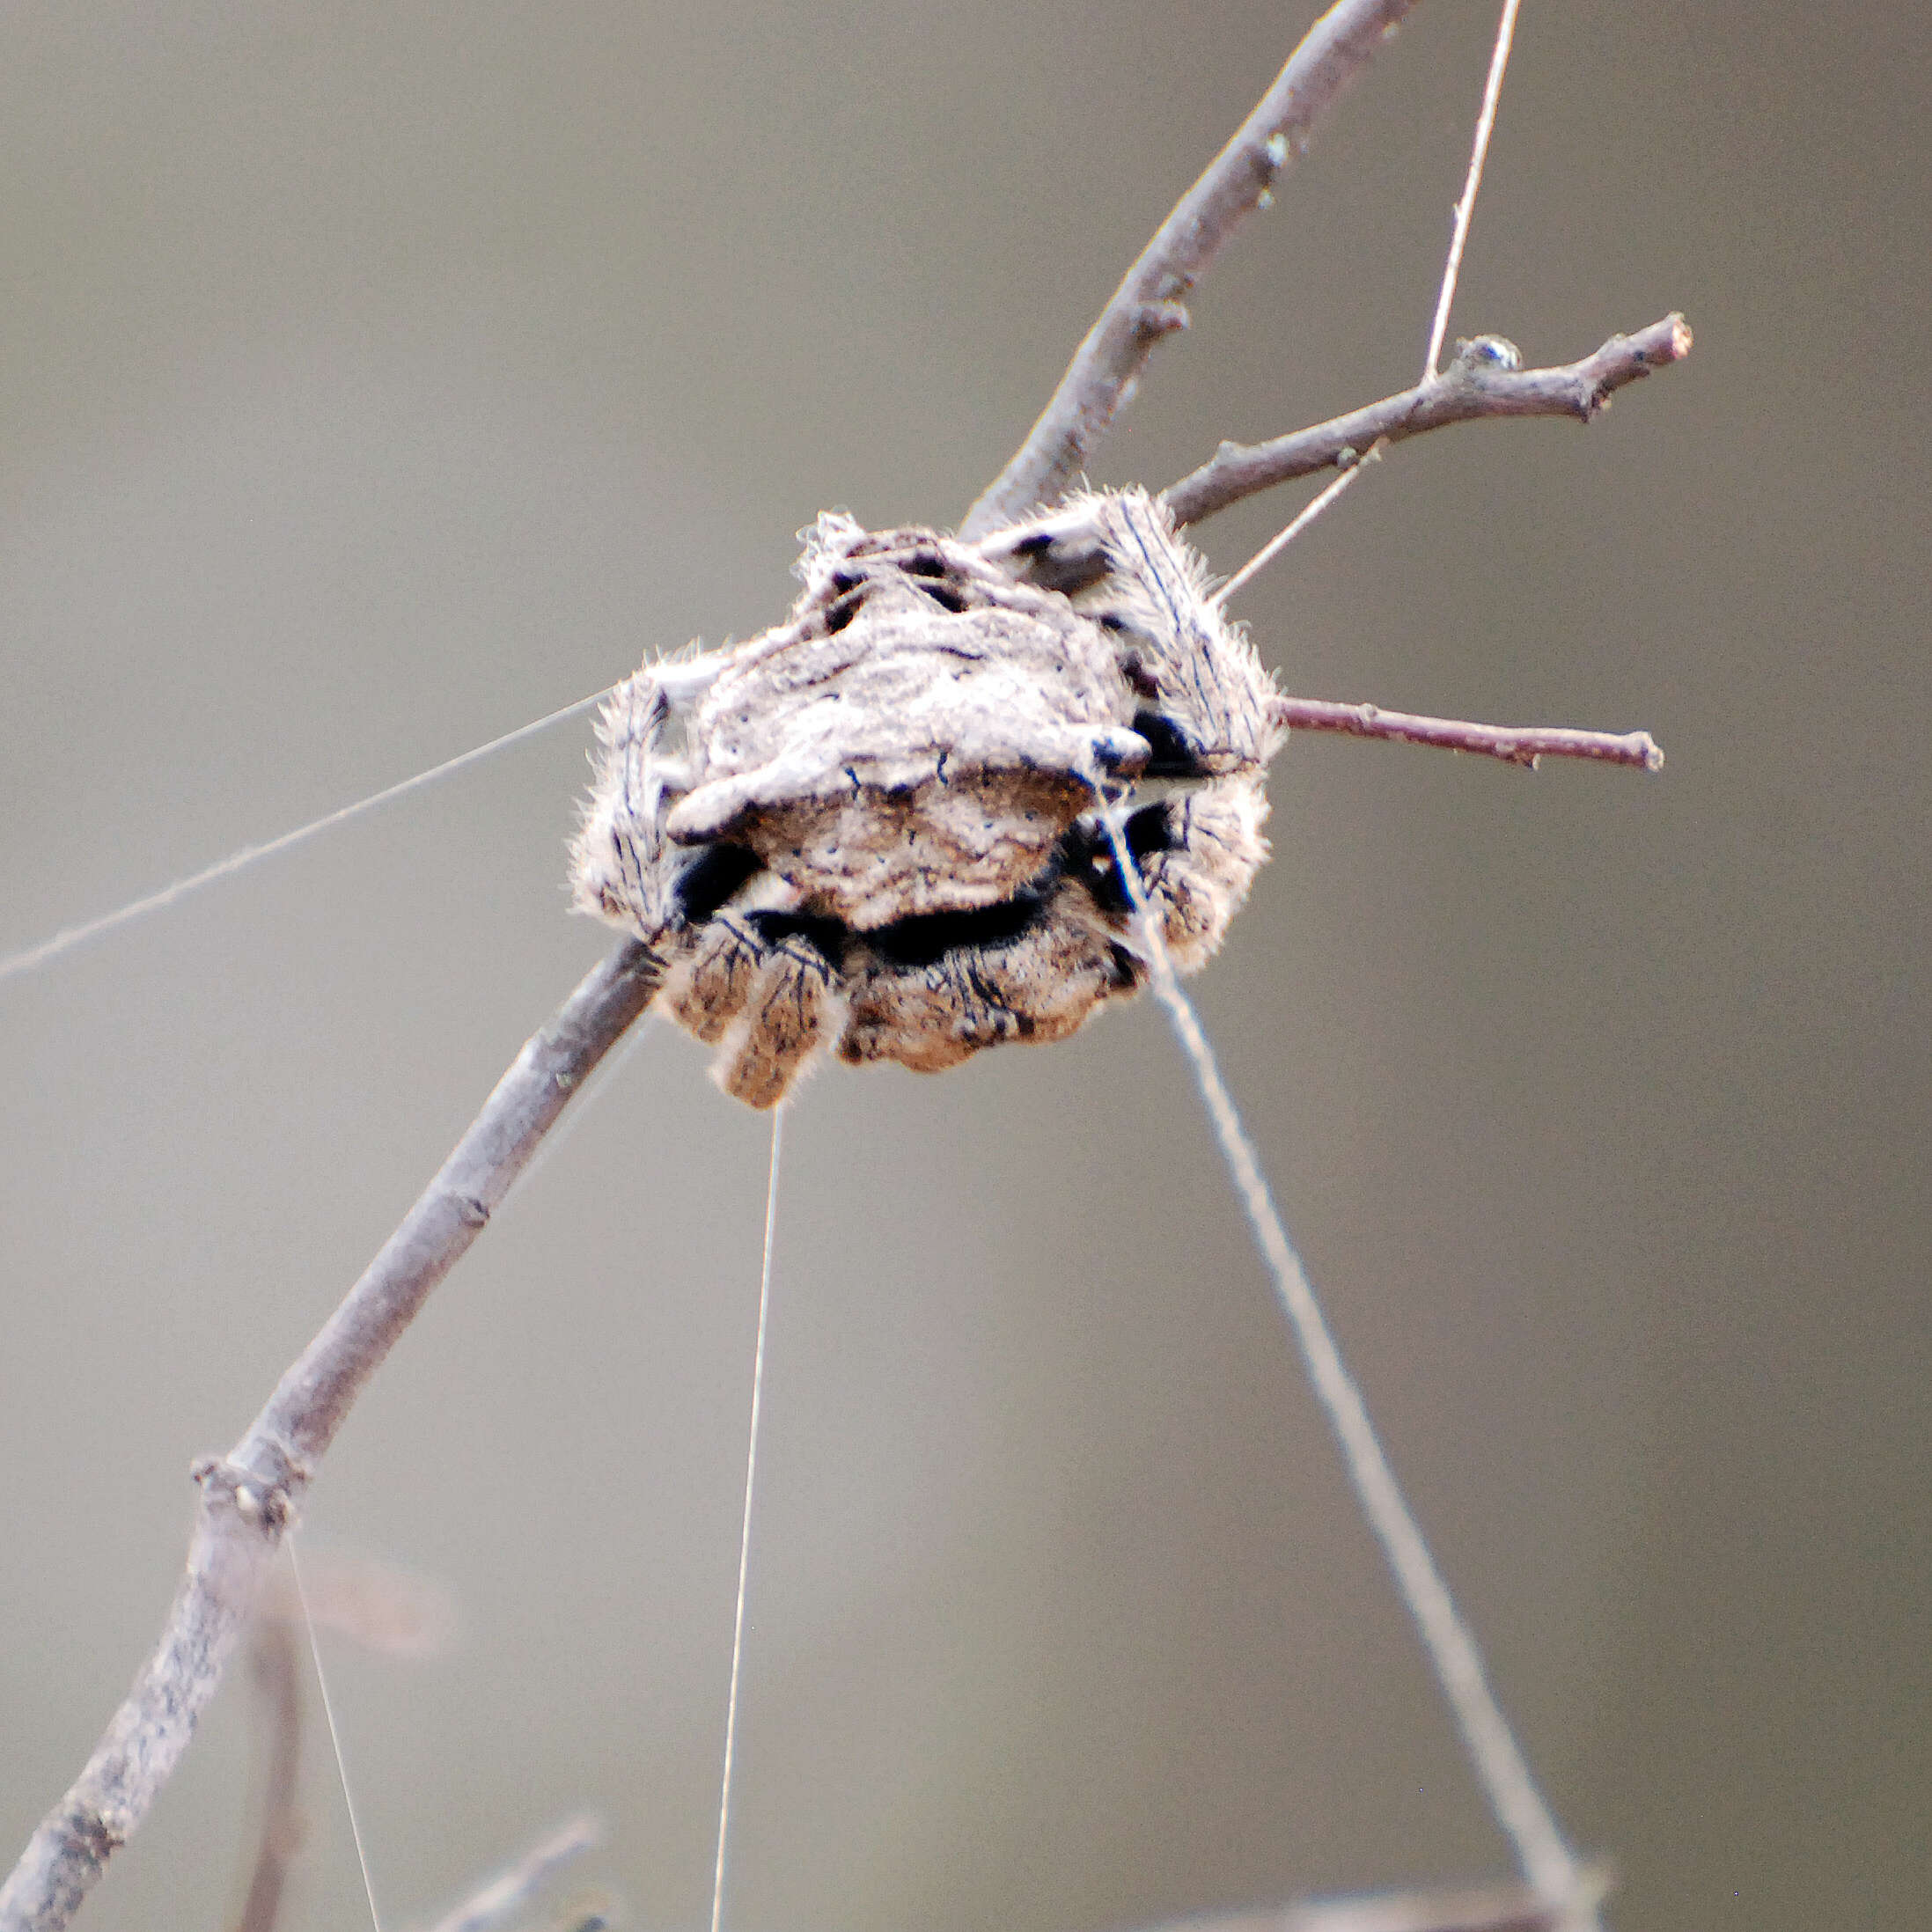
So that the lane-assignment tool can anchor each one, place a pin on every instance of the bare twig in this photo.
(1478, 384)
(1063, 549)
(394, 1612)
(1148, 304)
(500, 1900)
(1516, 744)
(277, 1662)
(249, 1496)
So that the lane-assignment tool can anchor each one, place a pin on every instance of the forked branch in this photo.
(1149, 305)
(1480, 384)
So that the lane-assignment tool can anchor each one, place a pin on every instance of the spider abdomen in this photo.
(875, 826)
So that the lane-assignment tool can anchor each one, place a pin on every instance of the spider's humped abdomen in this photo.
(952, 844)
(873, 828)
(918, 759)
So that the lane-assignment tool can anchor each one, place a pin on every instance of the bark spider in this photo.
(877, 827)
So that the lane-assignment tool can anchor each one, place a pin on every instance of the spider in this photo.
(879, 828)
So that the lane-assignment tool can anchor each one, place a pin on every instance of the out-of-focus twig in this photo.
(394, 1612)
(498, 1901)
(275, 1660)
(1508, 1907)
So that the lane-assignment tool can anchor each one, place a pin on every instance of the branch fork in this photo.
(232, 1488)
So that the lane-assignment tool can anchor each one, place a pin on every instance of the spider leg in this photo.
(792, 1008)
(1040, 983)
(1207, 696)
(623, 869)
(684, 680)
(708, 987)
(1197, 861)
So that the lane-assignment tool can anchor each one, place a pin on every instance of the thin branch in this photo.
(248, 1497)
(1481, 382)
(1148, 304)
(1516, 744)
(501, 1898)
(1063, 549)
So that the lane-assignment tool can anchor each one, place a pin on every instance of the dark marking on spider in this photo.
(714, 877)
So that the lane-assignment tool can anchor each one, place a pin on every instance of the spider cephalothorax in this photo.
(875, 827)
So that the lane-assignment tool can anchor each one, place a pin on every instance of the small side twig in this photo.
(1148, 305)
(1515, 743)
(277, 1662)
(393, 1612)
(1479, 383)
(502, 1897)
(249, 1497)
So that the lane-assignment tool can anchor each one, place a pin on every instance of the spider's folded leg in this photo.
(712, 977)
(1037, 983)
(623, 870)
(1197, 873)
(791, 1007)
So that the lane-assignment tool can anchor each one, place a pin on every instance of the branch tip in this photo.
(1483, 381)
(1525, 744)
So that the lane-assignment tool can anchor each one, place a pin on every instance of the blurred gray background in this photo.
(376, 378)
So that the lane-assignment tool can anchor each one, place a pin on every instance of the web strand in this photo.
(14, 964)
(745, 1532)
(1501, 1768)
(1465, 209)
(1283, 538)
(334, 1736)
